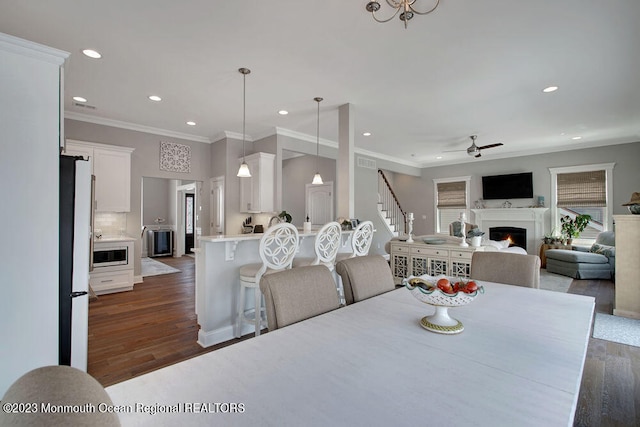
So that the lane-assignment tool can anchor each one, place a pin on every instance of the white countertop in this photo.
(253, 236)
(110, 239)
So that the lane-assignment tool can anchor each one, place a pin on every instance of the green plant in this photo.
(285, 216)
(573, 227)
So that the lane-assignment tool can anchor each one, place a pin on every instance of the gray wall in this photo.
(155, 200)
(145, 162)
(296, 173)
(416, 194)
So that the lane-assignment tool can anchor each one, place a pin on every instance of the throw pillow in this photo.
(605, 250)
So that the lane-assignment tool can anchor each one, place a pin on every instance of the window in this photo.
(579, 190)
(451, 198)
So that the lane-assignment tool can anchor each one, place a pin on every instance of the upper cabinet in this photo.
(111, 166)
(257, 192)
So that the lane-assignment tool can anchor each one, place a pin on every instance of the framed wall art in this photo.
(175, 157)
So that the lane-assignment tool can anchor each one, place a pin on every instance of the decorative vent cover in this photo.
(175, 157)
(366, 163)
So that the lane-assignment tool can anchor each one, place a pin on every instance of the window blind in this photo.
(452, 195)
(582, 189)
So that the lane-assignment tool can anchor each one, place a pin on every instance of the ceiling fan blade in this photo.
(453, 151)
(490, 146)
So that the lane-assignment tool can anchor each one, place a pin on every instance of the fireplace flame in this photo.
(509, 239)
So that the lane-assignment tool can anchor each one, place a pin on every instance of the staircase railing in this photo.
(390, 203)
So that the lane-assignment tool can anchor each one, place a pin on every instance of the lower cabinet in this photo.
(416, 259)
(111, 281)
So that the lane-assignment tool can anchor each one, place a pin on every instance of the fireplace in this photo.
(516, 235)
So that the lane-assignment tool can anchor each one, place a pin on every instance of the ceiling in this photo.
(470, 67)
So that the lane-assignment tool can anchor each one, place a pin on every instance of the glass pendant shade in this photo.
(243, 172)
(317, 179)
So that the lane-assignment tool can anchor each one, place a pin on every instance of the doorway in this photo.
(319, 203)
(189, 222)
(217, 205)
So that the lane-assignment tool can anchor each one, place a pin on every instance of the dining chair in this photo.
(509, 268)
(277, 249)
(57, 386)
(298, 294)
(364, 277)
(360, 241)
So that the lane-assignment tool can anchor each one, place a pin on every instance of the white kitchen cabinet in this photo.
(111, 166)
(257, 192)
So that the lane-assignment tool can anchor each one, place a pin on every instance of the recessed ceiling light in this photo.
(366, 133)
(92, 53)
(190, 123)
(155, 98)
(283, 112)
(79, 99)
(575, 138)
(438, 157)
(550, 89)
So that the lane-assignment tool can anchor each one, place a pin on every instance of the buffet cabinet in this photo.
(417, 258)
(627, 293)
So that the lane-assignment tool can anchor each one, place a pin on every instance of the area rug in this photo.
(554, 282)
(151, 267)
(617, 329)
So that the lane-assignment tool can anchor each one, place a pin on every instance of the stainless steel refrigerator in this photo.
(75, 235)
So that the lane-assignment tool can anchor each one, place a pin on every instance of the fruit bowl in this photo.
(425, 289)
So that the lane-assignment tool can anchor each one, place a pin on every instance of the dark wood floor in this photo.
(132, 333)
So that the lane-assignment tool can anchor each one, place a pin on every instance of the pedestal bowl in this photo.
(425, 289)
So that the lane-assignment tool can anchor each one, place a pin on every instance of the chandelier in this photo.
(403, 7)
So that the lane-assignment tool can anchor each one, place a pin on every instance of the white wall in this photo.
(29, 171)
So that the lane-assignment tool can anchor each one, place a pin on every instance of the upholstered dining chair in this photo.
(360, 241)
(277, 249)
(298, 294)
(364, 277)
(509, 268)
(57, 386)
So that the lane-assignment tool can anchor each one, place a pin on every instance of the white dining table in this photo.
(518, 362)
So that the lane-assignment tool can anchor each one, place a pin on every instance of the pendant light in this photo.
(317, 179)
(244, 172)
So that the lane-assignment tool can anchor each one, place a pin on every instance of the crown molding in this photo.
(135, 127)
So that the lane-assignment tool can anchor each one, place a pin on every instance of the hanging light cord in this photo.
(318, 134)
(244, 109)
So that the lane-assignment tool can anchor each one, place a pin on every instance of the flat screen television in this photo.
(511, 186)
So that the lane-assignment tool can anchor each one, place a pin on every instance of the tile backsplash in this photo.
(110, 224)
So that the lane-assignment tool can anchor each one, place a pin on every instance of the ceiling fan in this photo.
(474, 150)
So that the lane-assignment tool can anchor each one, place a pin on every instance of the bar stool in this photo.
(360, 241)
(277, 249)
(326, 247)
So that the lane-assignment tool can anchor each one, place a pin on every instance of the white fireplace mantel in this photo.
(531, 219)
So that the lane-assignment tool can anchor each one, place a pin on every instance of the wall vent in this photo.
(363, 162)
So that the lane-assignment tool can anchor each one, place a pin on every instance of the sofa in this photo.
(595, 262)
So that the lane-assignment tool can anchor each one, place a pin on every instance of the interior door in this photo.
(217, 205)
(319, 203)
(189, 222)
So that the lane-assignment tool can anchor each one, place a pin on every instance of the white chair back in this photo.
(278, 247)
(327, 244)
(361, 239)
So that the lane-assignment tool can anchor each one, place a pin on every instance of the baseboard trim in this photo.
(220, 335)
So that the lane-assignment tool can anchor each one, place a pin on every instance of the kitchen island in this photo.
(218, 260)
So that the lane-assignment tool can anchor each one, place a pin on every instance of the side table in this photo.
(545, 246)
